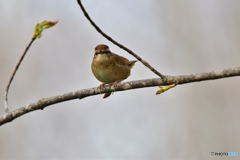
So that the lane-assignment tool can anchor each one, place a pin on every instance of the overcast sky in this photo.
(176, 37)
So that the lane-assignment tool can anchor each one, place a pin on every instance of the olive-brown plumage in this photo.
(110, 68)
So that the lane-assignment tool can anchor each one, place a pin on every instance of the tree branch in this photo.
(37, 34)
(182, 79)
(6, 109)
(116, 43)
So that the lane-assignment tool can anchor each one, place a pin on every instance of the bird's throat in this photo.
(101, 58)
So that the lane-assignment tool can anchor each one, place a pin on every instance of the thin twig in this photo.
(116, 43)
(6, 108)
(37, 34)
(182, 79)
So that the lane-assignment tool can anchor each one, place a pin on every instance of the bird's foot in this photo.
(114, 85)
(101, 86)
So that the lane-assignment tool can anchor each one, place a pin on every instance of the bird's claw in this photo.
(100, 87)
(115, 84)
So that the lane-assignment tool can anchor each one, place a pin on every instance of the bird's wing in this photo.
(120, 60)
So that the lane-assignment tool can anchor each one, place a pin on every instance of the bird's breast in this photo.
(106, 70)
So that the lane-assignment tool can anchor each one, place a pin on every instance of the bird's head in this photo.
(102, 49)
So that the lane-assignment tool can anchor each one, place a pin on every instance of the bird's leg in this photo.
(114, 84)
(101, 86)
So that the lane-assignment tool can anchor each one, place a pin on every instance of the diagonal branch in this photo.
(182, 79)
(116, 43)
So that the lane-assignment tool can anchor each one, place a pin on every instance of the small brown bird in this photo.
(110, 68)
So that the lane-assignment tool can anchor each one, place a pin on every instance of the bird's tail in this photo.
(131, 63)
(107, 94)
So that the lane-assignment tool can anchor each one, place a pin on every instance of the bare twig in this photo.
(37, 34)
(6, 108)
(116, 43)
(182, 79)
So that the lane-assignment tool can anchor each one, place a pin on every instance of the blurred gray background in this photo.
(177, 37)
